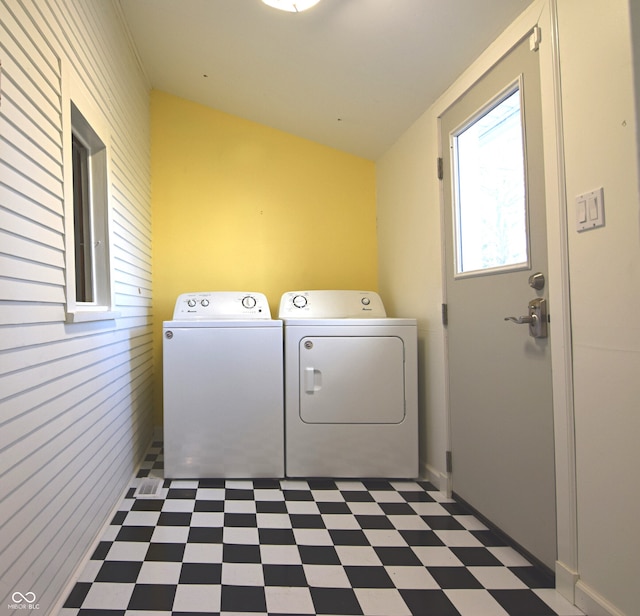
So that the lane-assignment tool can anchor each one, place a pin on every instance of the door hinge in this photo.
(535, 38)
(445, 314)
(440, 168)
(448, 462)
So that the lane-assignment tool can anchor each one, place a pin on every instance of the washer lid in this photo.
(331, 305)
(215, 305)
(235, 324)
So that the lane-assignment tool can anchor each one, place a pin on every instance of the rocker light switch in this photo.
(582, 211)
(590, 210)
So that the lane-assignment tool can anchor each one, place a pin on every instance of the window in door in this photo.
(490, 208)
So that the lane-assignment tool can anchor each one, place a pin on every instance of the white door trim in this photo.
(543, 13)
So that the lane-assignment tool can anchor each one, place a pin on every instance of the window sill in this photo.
(86, 316)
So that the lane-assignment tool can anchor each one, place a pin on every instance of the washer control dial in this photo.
(191, 302)
(204, 302)
(249, 301)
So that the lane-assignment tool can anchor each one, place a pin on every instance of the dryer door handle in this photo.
(312, 380)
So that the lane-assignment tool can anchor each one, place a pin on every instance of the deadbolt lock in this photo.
(537, 281)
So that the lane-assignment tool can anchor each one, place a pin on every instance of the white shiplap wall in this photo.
(75, 399)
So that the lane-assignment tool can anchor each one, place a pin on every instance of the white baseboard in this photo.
(566, 580)
(593, 604)
(439, 479)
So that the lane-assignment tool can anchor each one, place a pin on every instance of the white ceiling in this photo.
(350, 74)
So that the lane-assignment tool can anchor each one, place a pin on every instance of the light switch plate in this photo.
(590, 210)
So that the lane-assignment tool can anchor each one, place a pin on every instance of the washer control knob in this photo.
(249, 301)
(299, 301)
(365, 301)
(204, 302)
(191, 302)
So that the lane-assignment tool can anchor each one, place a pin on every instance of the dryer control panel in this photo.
(320, 304)
(221, 305)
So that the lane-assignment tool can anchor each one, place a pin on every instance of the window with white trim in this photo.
(88, 284)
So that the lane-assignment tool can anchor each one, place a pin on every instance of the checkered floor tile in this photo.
(310, 547)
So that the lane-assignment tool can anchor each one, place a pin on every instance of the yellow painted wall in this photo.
(240, 206)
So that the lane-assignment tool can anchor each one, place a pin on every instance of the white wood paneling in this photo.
(29, 228)
(29, 248)
(43, 154)
(75, 399)
(19, 204)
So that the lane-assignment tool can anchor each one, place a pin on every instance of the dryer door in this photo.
(352, 379)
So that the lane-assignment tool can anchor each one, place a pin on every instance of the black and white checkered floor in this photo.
(304, 547)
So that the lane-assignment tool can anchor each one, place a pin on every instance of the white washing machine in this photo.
(223, 388)
(351, 393)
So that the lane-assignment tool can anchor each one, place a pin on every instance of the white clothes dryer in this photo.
(351, 393)
(223, 388)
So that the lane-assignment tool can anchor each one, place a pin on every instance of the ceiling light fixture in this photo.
(292, 6)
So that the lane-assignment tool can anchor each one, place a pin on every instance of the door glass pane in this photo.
(489, 176)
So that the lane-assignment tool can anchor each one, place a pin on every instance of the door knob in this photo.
(536, 319)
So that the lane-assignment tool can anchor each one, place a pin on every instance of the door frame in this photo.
(541, 14)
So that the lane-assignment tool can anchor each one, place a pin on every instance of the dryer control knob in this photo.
(365, 301)
(299, 301)
(249, 301)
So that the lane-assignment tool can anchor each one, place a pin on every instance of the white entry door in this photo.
(501, 419)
